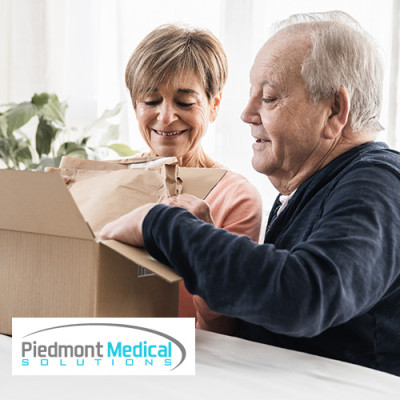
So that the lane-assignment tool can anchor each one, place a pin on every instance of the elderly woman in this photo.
(175, 77)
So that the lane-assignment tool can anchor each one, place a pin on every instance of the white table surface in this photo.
(226, 368)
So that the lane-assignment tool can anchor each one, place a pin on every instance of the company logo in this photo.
(103, 346)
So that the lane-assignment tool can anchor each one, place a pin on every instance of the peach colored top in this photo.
(235, 206)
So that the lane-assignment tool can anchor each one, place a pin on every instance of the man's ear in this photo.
(215, 102)
(339, 113)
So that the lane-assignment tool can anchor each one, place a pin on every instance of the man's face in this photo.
(286, 125)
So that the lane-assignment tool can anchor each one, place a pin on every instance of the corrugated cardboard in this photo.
(52, 266)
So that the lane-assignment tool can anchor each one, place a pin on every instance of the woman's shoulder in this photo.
(233, 190)
(236, 205)
(233, 180)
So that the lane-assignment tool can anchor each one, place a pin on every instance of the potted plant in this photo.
(52, 138)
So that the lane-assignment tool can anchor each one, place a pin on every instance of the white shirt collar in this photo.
(284, 200)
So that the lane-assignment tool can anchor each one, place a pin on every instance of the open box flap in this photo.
(140, 257)
(200, 181)
(39, 202)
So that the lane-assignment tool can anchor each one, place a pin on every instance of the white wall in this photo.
(79, 49)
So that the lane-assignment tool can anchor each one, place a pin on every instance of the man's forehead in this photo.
(286, 45)
(280, 58)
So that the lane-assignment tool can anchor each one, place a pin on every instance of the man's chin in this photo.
(259, 166)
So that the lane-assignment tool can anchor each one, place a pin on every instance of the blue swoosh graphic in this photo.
(140, 328)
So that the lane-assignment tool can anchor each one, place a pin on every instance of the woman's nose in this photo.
(167, 113)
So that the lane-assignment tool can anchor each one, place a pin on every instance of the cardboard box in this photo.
(52, 266)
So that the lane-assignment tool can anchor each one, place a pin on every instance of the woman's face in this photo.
(173, 117)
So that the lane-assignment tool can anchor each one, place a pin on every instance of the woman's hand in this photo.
(128, 228)
(209, 320)
(67, 179)
(199, 208)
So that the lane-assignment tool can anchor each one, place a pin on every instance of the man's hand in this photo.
(197, 207)
(128, 228)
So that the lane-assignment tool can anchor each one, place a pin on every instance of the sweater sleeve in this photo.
(344, 267)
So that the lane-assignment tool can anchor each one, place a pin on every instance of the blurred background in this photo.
(78, 49)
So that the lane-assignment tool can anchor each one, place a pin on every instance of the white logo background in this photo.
(103, 346)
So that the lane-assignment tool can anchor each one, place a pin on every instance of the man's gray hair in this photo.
(342, 54)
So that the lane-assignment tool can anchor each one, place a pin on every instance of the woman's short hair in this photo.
(171, 50)
(342, 54)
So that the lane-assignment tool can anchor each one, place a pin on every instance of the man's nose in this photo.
(250, 114)
(167, 113)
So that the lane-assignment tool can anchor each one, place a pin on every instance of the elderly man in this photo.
(327, 279)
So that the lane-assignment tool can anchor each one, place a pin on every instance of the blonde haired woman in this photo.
(175, 77)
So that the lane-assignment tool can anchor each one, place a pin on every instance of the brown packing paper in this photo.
(105, 191)
(196, 181)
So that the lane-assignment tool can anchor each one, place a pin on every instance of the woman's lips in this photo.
(168, 133)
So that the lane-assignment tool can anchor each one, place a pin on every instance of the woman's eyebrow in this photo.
(190, 91)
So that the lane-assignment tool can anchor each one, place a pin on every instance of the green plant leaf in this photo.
(106, 115)
(8, 105)
(72, 149)
(54, 110)
(19, 115)
(15, 152)
(84, 141)
(4, 150)
(23, 154)
(111, 113)
(122, 149)
(40, 99)
(110, 135)
(48, 162)
(45, 135)
(3, 125)
(11, 145)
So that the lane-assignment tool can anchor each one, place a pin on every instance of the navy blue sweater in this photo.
(326, 281)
